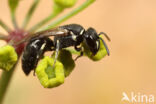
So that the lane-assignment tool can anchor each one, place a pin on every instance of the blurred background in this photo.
(131, 66)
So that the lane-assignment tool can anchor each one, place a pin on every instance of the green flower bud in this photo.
(65, 3)
(8, 57)
(13, 4)
(65, 57)
(50, 77)
(100, 54)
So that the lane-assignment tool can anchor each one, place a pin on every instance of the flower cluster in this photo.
(49, 75)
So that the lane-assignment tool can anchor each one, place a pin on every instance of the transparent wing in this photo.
(47, 33)
(52, 32)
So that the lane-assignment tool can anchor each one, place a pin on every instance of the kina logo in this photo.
(137, 98)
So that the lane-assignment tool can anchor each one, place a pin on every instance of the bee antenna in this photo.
(108, 53)
(105, 35)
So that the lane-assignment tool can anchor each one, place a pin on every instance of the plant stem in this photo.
(4, 83)
(13, 18)
(30, 13)
(42, 23)
(56, 11)
(3, 37)
(69, 15)
(4, 26)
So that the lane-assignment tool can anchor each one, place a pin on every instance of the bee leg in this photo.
(81, 52)
(77, 48)
(56, 51)
(40, 55)
(34, 74)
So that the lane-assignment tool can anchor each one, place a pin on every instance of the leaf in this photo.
(30, 12)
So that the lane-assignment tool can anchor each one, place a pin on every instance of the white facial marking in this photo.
(43, 46)
(81, 32)
(97, 43)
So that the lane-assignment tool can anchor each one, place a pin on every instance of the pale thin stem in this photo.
(69, 15)
(3, 37)
(30, 13)
(57, 10)
(4, 83)
(13, 18)
(4, 26)
(37, 26)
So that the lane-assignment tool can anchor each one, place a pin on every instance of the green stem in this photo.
(4, 26)
(3, 37)
(13, 18)
(4, 83)
(30, 13)
(57, 10)
(69, 15)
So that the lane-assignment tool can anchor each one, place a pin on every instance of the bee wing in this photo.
(47, 33)
(52, 32)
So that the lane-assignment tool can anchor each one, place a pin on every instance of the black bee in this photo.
(64, 36)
